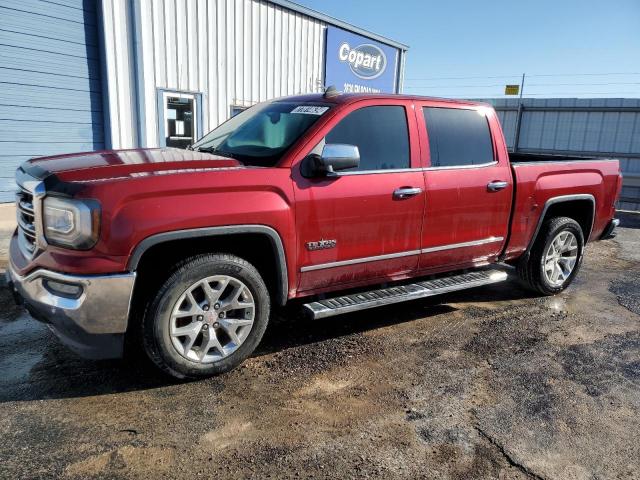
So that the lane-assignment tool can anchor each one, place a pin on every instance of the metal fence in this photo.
(599, 127)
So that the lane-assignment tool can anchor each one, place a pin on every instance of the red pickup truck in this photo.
(344, 201)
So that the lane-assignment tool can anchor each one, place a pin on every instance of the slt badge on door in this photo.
(321, 244)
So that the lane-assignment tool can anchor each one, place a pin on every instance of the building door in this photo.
(180, 121)
(51, 95)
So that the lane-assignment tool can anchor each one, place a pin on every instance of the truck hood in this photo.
(112, 164)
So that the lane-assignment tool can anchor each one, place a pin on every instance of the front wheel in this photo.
(207, 318)
(555, 258)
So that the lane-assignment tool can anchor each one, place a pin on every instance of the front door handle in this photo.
(406, 192)
(497, 186)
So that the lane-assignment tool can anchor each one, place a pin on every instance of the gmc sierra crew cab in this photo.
(345, 202)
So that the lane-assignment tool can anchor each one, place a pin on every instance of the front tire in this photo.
(555, 258)
(207, 317)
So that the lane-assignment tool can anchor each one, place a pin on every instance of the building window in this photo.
(180, 119)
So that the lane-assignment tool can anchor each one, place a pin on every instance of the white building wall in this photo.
(119, 79)
(233, 52)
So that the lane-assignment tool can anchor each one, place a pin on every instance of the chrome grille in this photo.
(26, 222)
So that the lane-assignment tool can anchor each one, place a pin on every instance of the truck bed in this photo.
(545, 157)
(540, 178)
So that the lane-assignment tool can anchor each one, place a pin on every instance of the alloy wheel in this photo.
(212, 319)
(560, 258)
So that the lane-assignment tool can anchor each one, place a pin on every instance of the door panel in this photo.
(469, 187)
(361, 214)
(463, 216)
(370, 222)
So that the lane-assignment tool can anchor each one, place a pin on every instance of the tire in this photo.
(222, 342)
(531, 269)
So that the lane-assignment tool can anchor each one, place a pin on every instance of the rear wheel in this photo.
(207, 318)
(555, 257)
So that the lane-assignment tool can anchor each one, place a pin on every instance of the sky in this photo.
(472, 48)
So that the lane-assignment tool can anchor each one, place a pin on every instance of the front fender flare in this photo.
(274, 237)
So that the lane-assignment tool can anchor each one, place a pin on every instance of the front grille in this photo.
(26, 222)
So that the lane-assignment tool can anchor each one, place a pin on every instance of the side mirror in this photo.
(334, 157)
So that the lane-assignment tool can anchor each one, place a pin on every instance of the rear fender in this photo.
(559, 200)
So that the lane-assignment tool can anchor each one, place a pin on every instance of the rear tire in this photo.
(555, 258)
(207, 317)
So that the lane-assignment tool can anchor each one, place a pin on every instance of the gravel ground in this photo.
(487, 383)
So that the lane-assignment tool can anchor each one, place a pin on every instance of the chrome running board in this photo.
(402, 293)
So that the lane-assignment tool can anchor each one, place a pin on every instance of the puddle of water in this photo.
(23, 325)
(16, 367)
(557, 304)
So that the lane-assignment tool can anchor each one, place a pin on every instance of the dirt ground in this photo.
(488, 383)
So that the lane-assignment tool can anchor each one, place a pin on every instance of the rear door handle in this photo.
(406, 192)
(497, 186)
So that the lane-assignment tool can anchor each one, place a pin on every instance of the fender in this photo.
(561, 199)
(276, 241)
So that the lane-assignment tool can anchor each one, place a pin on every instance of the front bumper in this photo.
(88, 313)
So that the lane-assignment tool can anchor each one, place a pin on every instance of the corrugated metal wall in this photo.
(234, 52)
(50, 86)
(118, 68)
(607, 127)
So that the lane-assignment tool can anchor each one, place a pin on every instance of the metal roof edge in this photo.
(338, 23)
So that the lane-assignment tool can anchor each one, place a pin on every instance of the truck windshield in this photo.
(260, 135)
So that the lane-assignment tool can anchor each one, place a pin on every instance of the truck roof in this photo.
(344, 98)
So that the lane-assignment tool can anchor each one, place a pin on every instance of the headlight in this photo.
(72, 223)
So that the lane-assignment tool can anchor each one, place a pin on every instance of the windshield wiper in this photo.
(215, 151)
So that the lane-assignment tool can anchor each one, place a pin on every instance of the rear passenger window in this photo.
(458, 137)
(379, 132)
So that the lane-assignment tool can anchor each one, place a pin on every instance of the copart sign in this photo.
(354, 63)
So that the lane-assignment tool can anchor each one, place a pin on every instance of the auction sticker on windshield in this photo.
(310, 110)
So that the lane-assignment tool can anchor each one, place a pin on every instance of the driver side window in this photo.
(380, 133)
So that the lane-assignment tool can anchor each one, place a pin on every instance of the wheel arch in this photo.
(579, 207)
(227, 233)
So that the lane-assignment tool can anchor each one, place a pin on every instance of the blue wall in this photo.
(50, 86)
